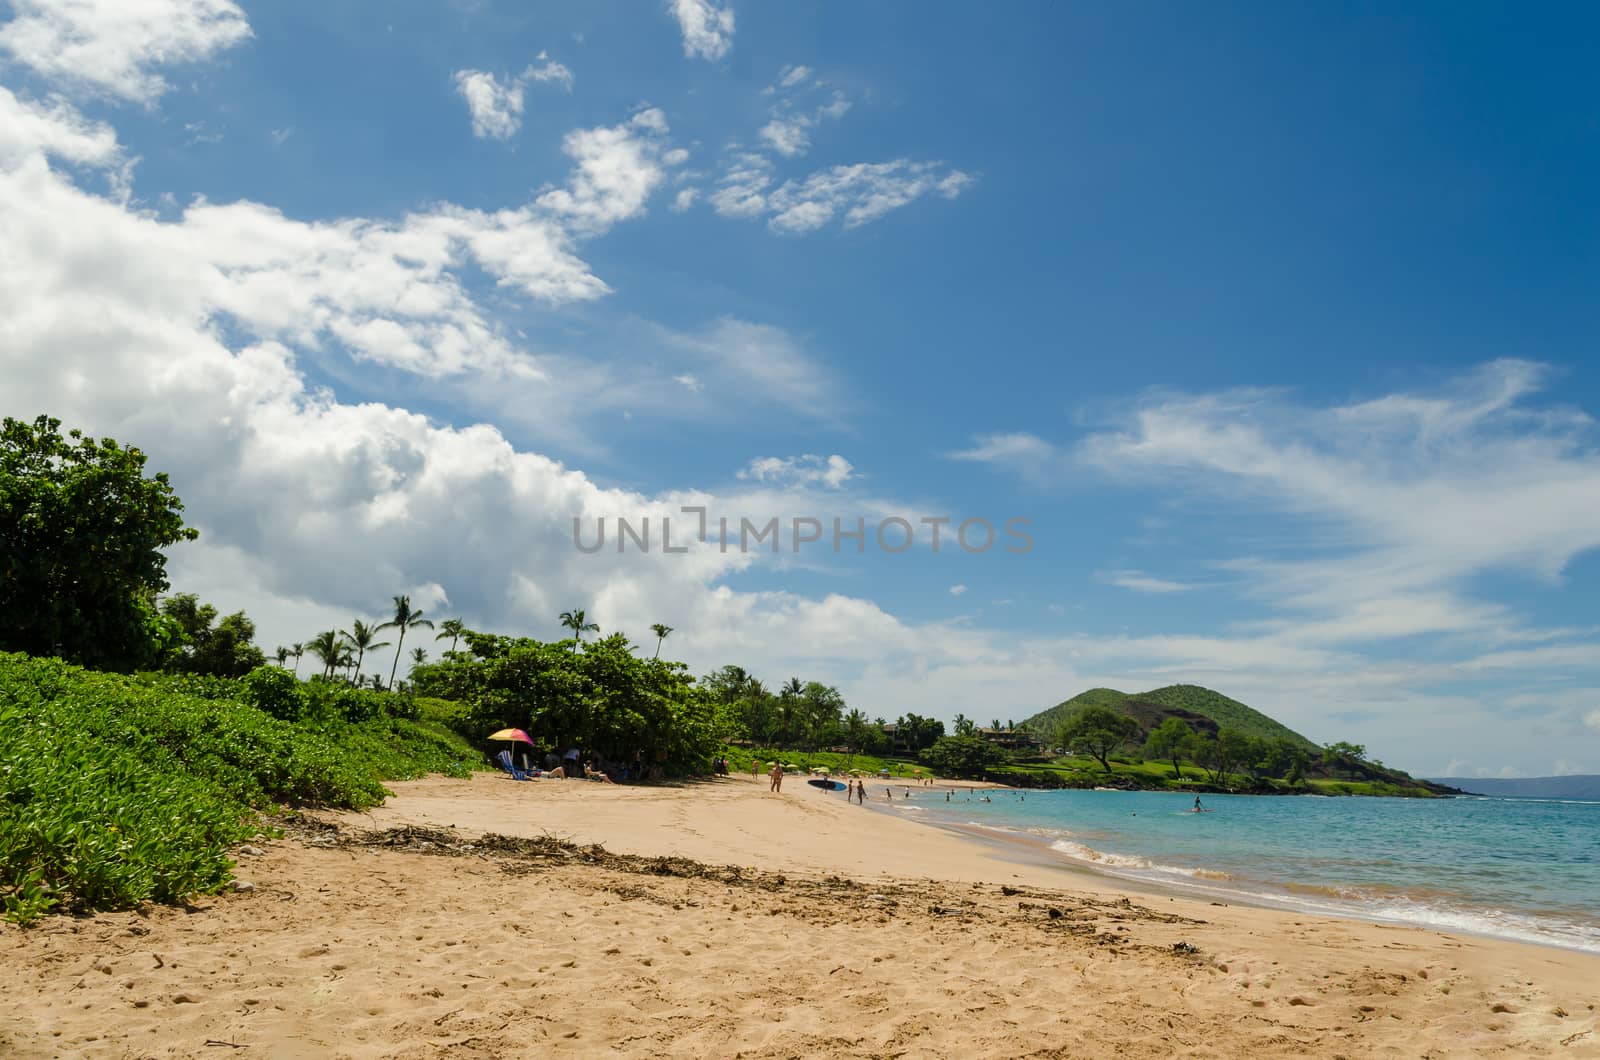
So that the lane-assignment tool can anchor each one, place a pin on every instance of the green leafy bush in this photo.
(274, 690)
(116, 791)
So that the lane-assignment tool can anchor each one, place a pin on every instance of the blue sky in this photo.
(1276, 323)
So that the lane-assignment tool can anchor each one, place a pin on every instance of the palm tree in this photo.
(362, 638)
(404, 619)
(660, 629)
(326, 647)
(419, 656)
(452, 628)
(282, 655)
(297, 650)
(575, 621)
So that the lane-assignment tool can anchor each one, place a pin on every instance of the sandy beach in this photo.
(722, 920)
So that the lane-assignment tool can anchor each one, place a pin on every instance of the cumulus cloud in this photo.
(618, 167)
(496, 105)
(957, 590)
(707, 28)
(808, 469)
(53, 129)
(496, 108)
(113, 47)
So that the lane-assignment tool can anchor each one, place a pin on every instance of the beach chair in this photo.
(506, 763)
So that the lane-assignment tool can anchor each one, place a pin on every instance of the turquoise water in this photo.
(1516, 868)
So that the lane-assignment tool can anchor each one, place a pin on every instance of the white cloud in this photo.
(1424, 491)
(618, 168)
(792, 117)
(1592, 719)
(684, 199)
(1138, 581)
(862, 193)
(1022, 453)
(112, 47)
(547, 69)
(957, 590)
(496, 108)
(55, 129)
(707, 28)
(742, 187)
(789, 136)
(809, 469)
(761, 362)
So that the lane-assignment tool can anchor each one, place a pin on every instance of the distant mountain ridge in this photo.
(1579, 786)
(1201, 708)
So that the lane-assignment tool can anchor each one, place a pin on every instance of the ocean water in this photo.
(1526, 869)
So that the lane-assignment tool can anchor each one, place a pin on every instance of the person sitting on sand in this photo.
(597, 774)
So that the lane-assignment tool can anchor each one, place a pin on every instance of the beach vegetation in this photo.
(118, 790)
(598, 696)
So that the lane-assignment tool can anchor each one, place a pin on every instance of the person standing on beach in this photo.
(777, 777)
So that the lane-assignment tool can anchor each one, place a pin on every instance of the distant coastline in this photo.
(1577, 786)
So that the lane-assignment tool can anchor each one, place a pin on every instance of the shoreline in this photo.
(1026, 848)
(1457, 913)
(724, 919)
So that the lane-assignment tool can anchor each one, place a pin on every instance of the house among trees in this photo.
(1011, 739)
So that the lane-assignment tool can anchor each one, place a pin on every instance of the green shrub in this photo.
(116, 791)
(274, 690)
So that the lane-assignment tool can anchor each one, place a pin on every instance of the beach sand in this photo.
(837, 931)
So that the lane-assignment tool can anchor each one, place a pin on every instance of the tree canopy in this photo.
(962, 756)
(205, 646)
(599, 696)
(1098, 732)
(83, 529)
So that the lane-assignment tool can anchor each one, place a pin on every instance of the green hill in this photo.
(1201, 708)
